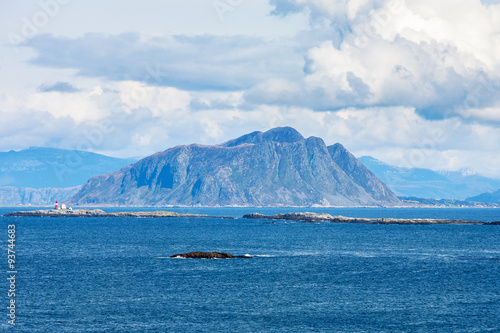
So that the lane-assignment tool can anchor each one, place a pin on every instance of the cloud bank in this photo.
(415, 83)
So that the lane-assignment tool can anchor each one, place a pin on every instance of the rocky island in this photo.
(315, 217)
(207, 255)
(101, 213)
(279, 167)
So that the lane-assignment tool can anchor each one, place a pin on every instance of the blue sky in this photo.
(414, 83)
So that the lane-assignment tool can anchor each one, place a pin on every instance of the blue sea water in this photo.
(114, 274)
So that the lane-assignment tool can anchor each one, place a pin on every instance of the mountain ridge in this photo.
(490, 197)
(10, 195)
(42, 167)
(427, 183)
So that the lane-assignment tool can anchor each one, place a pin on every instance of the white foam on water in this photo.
(260, 255)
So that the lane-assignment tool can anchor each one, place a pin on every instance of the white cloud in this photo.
(78, 106)
(426, 54)
(160, 100)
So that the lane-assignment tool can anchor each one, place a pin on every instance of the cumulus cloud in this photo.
(396, 53)
(372, 53)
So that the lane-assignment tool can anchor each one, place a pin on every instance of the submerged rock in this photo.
(207, 255)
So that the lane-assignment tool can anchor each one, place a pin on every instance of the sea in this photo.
(116, 274)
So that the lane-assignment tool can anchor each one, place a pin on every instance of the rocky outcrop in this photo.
(207, 255)
(60, 213)
(275, 168)
(358, 173)
(314, 217)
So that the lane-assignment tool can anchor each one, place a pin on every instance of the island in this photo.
(207, 255)
(101, 213)
(322, 217)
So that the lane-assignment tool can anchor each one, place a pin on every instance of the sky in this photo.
(412, 83)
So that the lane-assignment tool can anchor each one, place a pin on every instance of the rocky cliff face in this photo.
(275, 168)
(358, 173)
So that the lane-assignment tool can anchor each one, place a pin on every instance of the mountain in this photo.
(275, 168)
(10, 195)
(54, 168)
(493, 197)
(426, 183)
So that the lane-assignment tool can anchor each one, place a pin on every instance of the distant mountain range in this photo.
(492, 197)
(55, 168)
(39, 176)
(275, 168)
(10, 195)
(426, 183)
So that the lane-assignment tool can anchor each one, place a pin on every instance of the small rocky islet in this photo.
(299, 217)
(207, 255)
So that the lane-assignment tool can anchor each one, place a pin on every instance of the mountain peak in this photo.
(339, 147)
(277, 134)
(282, 134)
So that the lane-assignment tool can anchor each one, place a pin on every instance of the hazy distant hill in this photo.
(278, 167)
(10, 195)
(426, 183)
(55, 168)
(493, 197)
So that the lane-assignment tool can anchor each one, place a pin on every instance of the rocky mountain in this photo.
(38, 168)
(276, 168)
(491, 197)
(426, 183)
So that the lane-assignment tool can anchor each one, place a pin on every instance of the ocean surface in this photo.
(115, 274)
